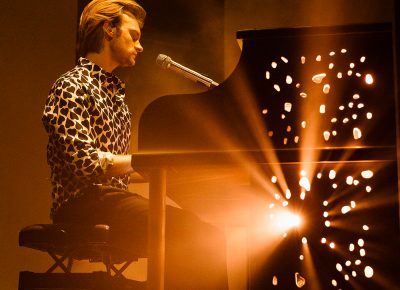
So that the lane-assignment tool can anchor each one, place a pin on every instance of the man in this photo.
(88, 124)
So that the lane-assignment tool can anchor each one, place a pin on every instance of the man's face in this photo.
(125, 44)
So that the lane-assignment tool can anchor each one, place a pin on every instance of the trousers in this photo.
(195, 251)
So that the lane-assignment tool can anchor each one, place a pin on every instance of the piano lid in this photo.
(308, 87)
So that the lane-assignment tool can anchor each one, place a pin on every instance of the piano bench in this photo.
(66, 243)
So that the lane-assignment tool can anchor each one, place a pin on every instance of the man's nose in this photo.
(139, 47)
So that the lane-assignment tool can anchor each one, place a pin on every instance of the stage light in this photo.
(287, 220)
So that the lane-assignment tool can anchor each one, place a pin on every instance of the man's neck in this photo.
(103, 60)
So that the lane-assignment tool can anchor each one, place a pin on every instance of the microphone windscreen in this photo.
(163, 60)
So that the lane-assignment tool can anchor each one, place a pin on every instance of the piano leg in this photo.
(156, 246)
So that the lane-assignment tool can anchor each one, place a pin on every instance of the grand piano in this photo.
(307, 122)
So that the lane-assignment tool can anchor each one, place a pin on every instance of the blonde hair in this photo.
(96, 13)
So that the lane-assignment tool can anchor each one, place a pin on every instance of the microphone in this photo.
(167, 63)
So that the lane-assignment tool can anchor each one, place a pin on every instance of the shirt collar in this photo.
(97, 72)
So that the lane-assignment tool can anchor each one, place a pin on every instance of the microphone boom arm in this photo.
(167, 63)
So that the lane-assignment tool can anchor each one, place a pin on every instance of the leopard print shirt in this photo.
(86, 119)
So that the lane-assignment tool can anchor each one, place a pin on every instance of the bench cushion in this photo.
(76, 241)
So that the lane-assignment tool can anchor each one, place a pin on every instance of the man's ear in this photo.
(109, 30)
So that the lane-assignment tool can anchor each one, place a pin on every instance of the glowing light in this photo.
(332, 174)
(362, 252)
(356, 133)
(277, 88)
(346, 277)
(271, 205)
(325, 203)
(332, 245)
(283, 116)
(349, 180)
(319, 175)
(303, 60)
(354, 274)
(275, 281)
(356, 182)
(331, 65)
(352, 65)
(357, 262)
(303, 124)
(325, 214)
(348, 263)
(341, 108)
(265, 111)
(285, 203)
(332, 53)
(345, 120)
(284, 59)
(368, 272)
(277, 196)
(351, 247)
(322, 109)
(356, 96)
(327, 224)
(323, 241)
(349, 72)
(339, 75)
(369, 115)
(354, 116)
(274, 179)
(270, 133)
(301, 257)
(367, 174)
(318, 58)
(267, 75)
(326, 88)
(365, 227)
(345, 209)
(334, 283)
(360, 242)
(287, 107)
(305, 183)
(351, 104)
(343, 50)
(339, 267)
(368, 188)
(334, 133)
(287, 220)
(288, 194)
(360, 105)
(274, 64)
(318, 78)
(353, 204)
(289, 80)
(300, 281)
(302, 195)
(303, 95)
(304, 240)
(296, 139)
(334, 185)
(369, 80)
(362, 59)
(358, 75)
(333, 120)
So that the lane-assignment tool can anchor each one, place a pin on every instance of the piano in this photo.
(307, 120)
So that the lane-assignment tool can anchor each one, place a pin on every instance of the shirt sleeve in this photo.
(66, 119)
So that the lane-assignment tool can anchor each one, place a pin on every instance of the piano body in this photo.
(306, 122)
